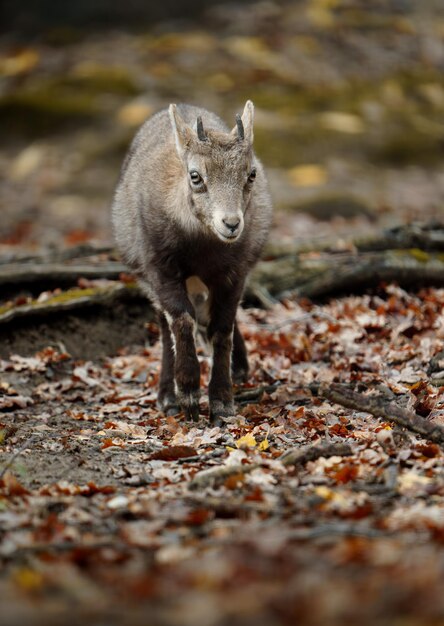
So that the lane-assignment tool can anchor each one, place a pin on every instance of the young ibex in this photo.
(191, 214)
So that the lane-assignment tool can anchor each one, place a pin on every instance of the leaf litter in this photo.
(107, 503)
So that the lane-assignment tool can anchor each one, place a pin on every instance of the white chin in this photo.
(226, 238)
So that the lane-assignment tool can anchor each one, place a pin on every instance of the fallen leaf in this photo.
(308, 175)
(247, 441)
(172, 453)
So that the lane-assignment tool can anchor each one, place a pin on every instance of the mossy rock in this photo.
(39, 111)
(326, 207)
(405, 146)
(93, 79)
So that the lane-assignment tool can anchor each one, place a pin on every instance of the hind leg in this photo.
(239, 359)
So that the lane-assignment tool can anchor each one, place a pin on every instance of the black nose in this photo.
(232, 223)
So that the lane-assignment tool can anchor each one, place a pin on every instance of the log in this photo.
(286, 270)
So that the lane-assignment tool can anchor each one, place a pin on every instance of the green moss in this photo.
(101, 80)
(419, 255)
(406, 146)
(51, 105)
(40, 110)
(5, 308)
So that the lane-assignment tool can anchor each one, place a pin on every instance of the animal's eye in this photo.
(252, 175)
(195, 177)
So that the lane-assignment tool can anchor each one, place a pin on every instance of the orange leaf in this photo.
(171, 453)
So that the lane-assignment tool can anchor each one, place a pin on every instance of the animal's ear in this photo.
(182, 132)
(244, 123)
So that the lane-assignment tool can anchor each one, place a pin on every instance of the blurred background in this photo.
(349, 99)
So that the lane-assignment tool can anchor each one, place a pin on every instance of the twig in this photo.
(379, 406)
(300, 456)
(68, 546)
(16, 454)
(220, 473)
(335, 530)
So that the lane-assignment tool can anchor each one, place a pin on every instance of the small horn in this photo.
(240, 127)
(200, 129)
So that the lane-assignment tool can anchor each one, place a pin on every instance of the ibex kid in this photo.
(191, 214)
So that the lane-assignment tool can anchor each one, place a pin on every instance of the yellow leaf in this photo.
(251, 49)
(28, 161)
(331, 496)
(247, 441)
(162, 69)
(220, 82)
(134, 113)
(20, 63)
(28, 579)
(264, 445)
(324, 492)
(308, 175)
(342, 122)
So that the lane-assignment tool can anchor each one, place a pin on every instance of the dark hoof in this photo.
(168, 405)
(191, 412)
(190, 405)
(219, 410)
(216, 420)
(172, 410)
(240, 376)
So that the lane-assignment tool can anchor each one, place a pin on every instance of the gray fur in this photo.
(168, 229)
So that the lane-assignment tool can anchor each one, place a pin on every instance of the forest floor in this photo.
(298, 510)
(111, 514)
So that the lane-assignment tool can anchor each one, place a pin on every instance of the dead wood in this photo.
(295, 457)
(253, 395)
(28, 273)
(379, 406)
(300, 456)
(66, 302)
(408, 255)
(336, 530)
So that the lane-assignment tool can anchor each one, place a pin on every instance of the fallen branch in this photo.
(300, 456)
(336, 530)
(295, 456)
(359, 272)
(380, 406)
(27, 273)
(67, 301)
(254, 394)
(220, 473)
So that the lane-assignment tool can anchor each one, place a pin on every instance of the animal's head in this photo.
(220, 171)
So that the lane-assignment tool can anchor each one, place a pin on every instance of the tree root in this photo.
(380, 406)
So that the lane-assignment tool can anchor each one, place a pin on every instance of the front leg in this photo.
(224, 304)
(187, 368)
(239, 360)
(166, 397)
(180, 358)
